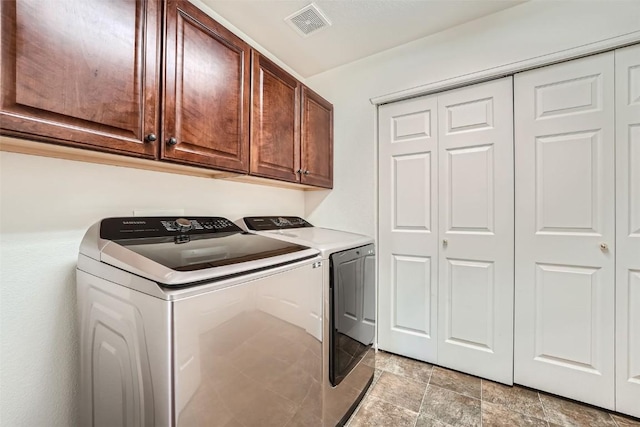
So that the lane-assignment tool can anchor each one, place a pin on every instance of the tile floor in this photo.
(406, 392)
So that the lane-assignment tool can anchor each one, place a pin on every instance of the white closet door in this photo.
(627, 62)
(565, 196)
(407, 239)
(475, 320)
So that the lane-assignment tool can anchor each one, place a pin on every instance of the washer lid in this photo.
(179, 251)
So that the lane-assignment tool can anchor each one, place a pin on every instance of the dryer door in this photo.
(352, 319)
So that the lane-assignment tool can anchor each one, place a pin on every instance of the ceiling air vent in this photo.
(308, 20)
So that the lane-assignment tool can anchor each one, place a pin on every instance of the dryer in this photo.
(192, 322)
(349, 306)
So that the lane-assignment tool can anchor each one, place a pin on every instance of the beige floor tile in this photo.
(382, 358)
(500, 416)
(399, 391)
(450, 407)
(514, 398)
(456, 381)
(403, 366)
(376, 412)
(623, 421)
(453, 399)
(425, 421)
(568, 413)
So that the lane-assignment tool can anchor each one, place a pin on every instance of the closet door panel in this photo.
(407, 245)
(564, 152)
(627, 63)
(475, 311)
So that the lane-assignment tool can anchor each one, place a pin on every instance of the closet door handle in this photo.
(445, 243)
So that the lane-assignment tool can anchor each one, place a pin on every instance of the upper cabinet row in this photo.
(92, 74)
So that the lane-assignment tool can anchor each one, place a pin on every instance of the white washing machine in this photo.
(192, 322)
(349, 307)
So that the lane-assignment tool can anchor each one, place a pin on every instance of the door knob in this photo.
(299, 171)
(306, 172)
(172, 141)
(445, 243)
(151, 137)
(604, 247)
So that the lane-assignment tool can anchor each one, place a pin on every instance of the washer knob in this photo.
(183, 224)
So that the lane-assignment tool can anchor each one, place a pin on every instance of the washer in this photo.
(349, 307)
(194, 322)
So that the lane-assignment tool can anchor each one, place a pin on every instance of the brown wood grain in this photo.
(81, 72)
(316, 140)
(275, 121)
(206, 91)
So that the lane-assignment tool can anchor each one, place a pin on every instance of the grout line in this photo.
(544, 411)
(453, 391)
(423, 396)
(481, 403)
(391, 403)
(614, 420)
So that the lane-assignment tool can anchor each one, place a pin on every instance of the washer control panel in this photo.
(146, 227)
(261, 223)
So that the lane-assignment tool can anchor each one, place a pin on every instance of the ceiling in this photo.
(359, 27)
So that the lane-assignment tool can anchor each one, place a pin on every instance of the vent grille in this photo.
(308, 20)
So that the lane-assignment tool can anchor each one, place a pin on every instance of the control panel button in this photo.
(183, 224)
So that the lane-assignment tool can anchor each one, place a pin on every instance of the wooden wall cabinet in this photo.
(316, 145)
(292, 128)
(275, 122)
(85, 73)
(82, 73)
(206, 91)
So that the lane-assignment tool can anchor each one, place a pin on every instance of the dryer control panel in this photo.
(262, 223)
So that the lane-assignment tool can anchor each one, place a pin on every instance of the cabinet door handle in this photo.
(172, 141)
(299, 171)
(306, 172)
(604, 247)
(445, 243)
(151, 137)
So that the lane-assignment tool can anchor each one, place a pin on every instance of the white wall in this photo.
(46, 206)
(519, 33)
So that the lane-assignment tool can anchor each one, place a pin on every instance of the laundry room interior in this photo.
(505, 283)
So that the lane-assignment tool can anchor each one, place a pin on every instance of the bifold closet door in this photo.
(565, 198)
(408, 228)
(627, 63)
(475, 310)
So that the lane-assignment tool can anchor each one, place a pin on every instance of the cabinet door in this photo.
(81, 72)
(565, 198)
(317, 140)
(275, 122)
(627, 63)
(475, 295)
(206, 91)
(408, 228)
